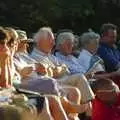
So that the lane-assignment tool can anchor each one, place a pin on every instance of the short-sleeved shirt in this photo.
(100, 111)
(45, 59)
(110, 56)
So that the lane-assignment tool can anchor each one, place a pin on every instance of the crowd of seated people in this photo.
(68, 83)
(34, 77)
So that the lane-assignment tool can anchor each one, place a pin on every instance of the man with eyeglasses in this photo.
(106, 105)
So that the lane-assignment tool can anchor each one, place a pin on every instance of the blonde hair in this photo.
(13, 36)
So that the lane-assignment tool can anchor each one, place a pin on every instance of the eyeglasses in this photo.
(107, 91)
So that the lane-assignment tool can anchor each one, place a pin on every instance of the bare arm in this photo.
(60, 70)
(108, 75)
(73, 108)
(5, 72)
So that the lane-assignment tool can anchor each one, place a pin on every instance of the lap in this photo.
(43, 86)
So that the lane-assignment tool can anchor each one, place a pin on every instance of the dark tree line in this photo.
(78, 15)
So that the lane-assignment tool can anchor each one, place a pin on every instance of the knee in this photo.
(74, 94)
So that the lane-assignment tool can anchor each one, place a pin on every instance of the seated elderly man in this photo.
(64, 45)
(35, 82)
(42, 53)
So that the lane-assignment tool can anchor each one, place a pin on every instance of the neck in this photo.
(42, 50)
(90, 51)
(108, 44)
(63, 53)
(103, 40)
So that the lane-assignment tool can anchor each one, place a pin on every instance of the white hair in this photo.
(43, 33)
(88, 37)
(64, 36)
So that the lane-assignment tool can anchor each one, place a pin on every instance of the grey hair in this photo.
(42, 32)
(88, 37)
(64, 36)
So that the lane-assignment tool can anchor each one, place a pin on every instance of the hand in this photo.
(60, 70)
(40, 69)
(26, 71)
(89, 75)
(55, 72)
(65, 68)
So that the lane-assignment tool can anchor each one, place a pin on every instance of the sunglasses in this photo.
(108, 91)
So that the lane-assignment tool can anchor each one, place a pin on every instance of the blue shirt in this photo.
(89, 62)
(71, 62)
(110, 56)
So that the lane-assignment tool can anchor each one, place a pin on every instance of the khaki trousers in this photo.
(79, 81)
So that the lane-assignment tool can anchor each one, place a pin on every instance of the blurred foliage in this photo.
(78, 15)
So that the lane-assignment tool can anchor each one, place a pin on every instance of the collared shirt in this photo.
(88, 61)
(46, 59)
(110, 56)
(71, 62)
(84, 59)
